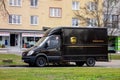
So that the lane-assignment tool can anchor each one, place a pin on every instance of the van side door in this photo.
(53, 46)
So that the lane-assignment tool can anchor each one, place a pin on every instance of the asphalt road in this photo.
(110, 64)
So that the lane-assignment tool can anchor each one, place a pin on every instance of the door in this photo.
(13, 39)
(53, 46)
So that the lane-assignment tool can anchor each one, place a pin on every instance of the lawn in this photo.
(60, 73)
(16, 59)
(54, 73)
(115, 56)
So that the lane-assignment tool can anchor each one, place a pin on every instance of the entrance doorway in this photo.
(13, 39)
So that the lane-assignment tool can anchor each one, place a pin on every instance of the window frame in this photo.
(34, 19)
(75, 22)
(17, 3)
(91, 22)
(115, 21)
(76, 5)
(115, 17)
(34, 5)
(91, 6)
(15, 19)
(56, 12)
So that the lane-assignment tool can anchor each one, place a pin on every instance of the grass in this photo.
(55, 73)
(60, 73)
(15, 58)
(115, 57)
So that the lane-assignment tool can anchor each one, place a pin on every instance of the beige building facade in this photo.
(24, 25)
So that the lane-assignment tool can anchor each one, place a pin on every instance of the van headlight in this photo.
(30, 53)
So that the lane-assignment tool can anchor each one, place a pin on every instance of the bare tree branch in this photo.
(108, 6)
(93, 13)
(3, 10)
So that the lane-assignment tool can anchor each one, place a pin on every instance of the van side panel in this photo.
(89, 42)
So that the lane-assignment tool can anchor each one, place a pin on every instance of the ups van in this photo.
(69, 44)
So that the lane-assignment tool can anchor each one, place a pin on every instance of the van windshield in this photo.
(40, 41)
(47, 32)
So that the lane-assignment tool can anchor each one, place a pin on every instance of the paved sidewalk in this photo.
(12, 50)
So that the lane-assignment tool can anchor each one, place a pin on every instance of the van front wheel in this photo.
(41, 62)
(90, 62)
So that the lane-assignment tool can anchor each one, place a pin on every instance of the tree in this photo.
(3, 10)
(92, 10)
(96, 9)
(112, 13)
(110, 7)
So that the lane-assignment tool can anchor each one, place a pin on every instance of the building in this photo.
(112, 17)
(24, 25)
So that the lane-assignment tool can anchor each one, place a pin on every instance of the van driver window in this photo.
(52, 42)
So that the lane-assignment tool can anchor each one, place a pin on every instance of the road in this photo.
(110, 64)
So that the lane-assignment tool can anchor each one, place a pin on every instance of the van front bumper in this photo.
(29, 59)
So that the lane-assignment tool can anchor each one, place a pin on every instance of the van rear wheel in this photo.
(90, 62)
(41, 61)
(81, 63)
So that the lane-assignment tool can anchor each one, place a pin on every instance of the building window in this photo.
(115, 18)
(75, 5)
(108, 17)
(28, 42)
(91, 22)
(55, 12)
(74, 22)
(115, 21)
(34, 20)
(111, 20)
(34, 3)
(14, 19)
(92, 6)
(15, 2)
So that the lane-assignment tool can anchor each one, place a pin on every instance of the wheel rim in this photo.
(90, 62)
(41, 62)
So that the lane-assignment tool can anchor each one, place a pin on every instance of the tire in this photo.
(41, 61)
(90, 62)
(80, 63)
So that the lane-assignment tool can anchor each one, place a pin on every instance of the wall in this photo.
(42, 10)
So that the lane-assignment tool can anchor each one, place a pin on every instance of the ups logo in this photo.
(73, 40)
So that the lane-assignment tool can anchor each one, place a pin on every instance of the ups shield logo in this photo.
(73, 40)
